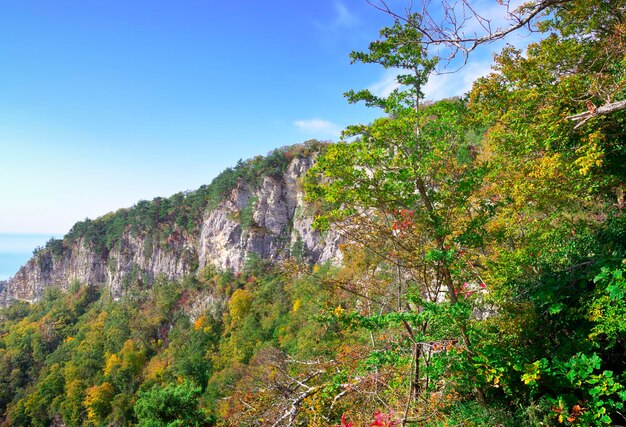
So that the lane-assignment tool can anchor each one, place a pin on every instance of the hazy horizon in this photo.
(17, 248)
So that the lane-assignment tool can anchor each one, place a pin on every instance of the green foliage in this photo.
(406, 190)
(86, 359)
(608, 308)
(482, 279)
(173, 405)
(399, 47)
(499, 204)
(164, 221)
(246, 218)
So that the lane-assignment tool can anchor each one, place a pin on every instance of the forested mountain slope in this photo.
(256, 207)
(482, 282)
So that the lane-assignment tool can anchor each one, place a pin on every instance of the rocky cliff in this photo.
(256, 208)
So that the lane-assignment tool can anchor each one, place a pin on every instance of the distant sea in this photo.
(16, 249)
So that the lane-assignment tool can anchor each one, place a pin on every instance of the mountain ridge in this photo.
(257, 207)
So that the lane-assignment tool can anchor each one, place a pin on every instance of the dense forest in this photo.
(482, 281)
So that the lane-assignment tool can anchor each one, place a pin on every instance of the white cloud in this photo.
(442, 86)
(386, 84)
(479, 19)
(439, 86)
(318, 127)
(342, 19)
(460, 78)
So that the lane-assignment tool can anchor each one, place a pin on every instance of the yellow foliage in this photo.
(591, 155)
(155, 368)
(199, 323)
(338, 311)
(296, 305)
(128, 347)
(112, 365)
(98, 401)
(74, 389)
(239, 304)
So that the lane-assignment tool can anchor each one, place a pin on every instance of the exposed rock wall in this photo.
(269, 219)
(280, 219)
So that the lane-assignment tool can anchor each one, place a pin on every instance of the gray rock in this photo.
(279, 220)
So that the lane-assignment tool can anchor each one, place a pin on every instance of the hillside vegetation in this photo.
(158, 219)
(482, 284)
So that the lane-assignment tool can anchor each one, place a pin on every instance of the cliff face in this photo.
(278, 222)
(267, 217)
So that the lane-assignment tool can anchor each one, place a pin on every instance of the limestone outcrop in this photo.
(268, 218)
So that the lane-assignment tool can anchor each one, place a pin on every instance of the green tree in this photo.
(404, 190)
(172, 405)
(559, 223)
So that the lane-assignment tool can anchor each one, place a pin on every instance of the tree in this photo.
(453, 29)
(172, 405)
(98, 402)
(404, 190)
(461, 27)
(560, 222)
(552, 179)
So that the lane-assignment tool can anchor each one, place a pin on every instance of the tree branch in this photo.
(450, 29)
(592, 112)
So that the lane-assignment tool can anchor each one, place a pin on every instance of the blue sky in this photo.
(106, 103)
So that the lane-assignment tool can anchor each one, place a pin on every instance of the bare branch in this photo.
(449, 28)
(291, 412)
(592, 112)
